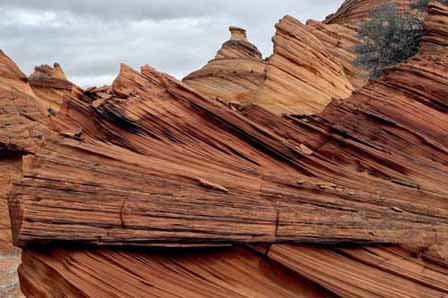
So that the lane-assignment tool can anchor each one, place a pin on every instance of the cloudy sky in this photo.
(89, 38)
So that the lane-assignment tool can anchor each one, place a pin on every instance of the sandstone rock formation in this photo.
(150, 161)
(311, 65)
(23, 127)
(51, 87)
(234, 75)
(234, 272)
(357, 11)
(340, 40)
(302, 77)
(365, 272)
(184, 169)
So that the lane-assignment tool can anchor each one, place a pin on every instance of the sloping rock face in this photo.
(355, 12)
(150, 161)
(169, 177)
(52, 87)
(22, 130)
(234, 75)
(222, 273)
(311, 65)
(22, 127)
(365, 272)
(302, 76)
(435, 41)
(22, 119)
(340, 40)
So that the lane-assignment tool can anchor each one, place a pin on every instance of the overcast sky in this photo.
(90, 38)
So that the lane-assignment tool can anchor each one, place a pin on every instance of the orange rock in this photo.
(161, 161)
(51, 87)
(151, 161)
(230, 272)
(311, 65)
(302, 75)
(436, 39)
(340, 41)
(234, 74)
(22, 131)
(356, 11)
(365, 272)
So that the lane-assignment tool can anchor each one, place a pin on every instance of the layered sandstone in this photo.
(151, 161)
(51, 87)
(161, 177)
(234, 75)
(22, 130)
(233, 272)
(387, 190)
(340, 41)
(354, 12)
(21, 117)
(301, 76)
(365, 272)
(311, 65)
(24, 122)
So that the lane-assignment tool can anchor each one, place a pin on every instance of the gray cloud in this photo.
(90, 38)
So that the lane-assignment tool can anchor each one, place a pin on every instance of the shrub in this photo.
(388, 38)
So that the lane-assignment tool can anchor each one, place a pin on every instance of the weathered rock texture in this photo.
(302, 77)
(168, 167)
(9, 262)
(205, 273)
(150, 161)
(21, 117)
(340, 40)
(22, 130)
(435, 41)
(311, 65)
(234, 75)
(9, 256)
(52, 87)
(365, 272)
(355, 12)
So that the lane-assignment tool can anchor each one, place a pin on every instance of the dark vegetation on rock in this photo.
(388, 38)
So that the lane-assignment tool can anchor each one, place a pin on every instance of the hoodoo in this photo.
(234, 75)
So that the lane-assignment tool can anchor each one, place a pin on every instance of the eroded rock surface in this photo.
(151, 161)
(311, 65)
(355, 12)
(302, 77)
(365, 272)
(52, 87)
(234, 75)
(340, 41)
(223, 273)
(22, 131)
(161, 161)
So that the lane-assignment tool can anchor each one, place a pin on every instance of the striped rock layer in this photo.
(310, 66)
(351, 202)
(354, 12)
